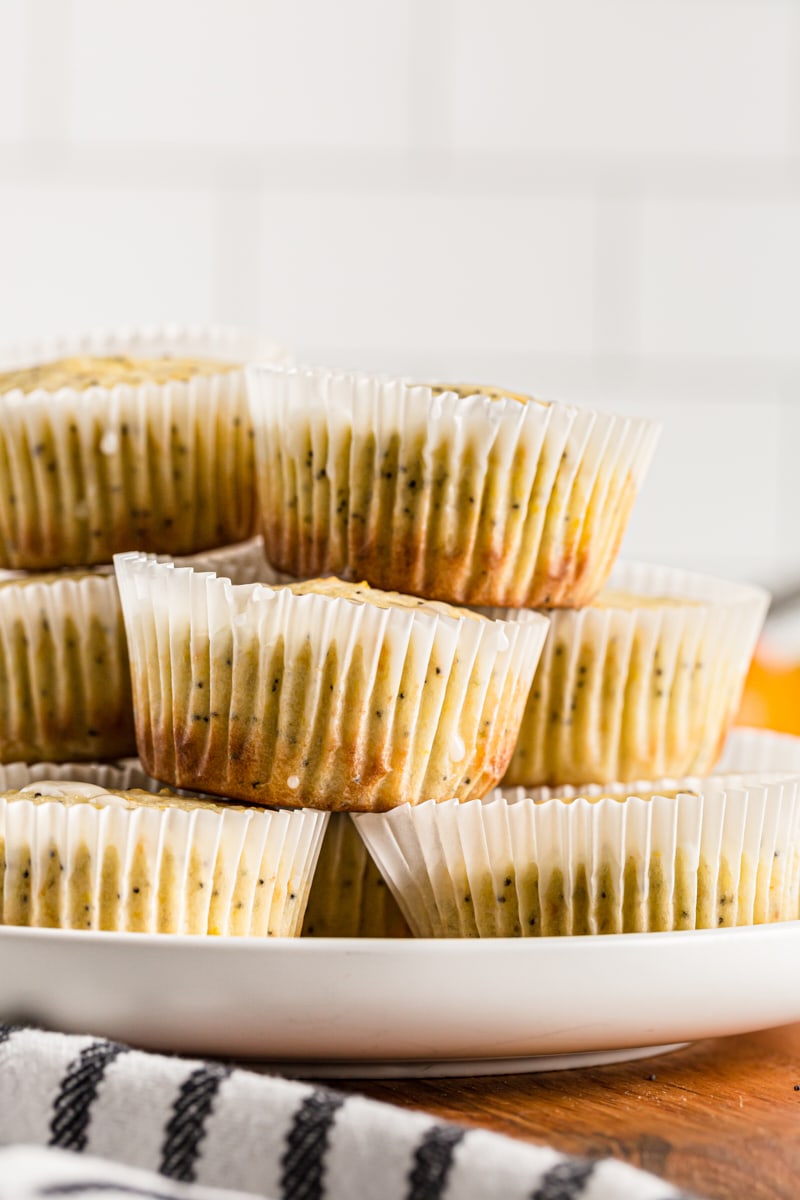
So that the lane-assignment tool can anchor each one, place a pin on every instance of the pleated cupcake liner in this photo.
(244, 562)
(455, 494)
(349, 896)
(619, 858)
(642, 692)
(75, 857)
(313, 701)
(759, 750)
(121, 776)
(168, 468)
(65, 687)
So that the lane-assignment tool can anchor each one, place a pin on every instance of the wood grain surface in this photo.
(720, 1118)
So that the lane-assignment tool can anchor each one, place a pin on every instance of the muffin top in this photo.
(609, 598)
(84, 371)
(621, 793)
(70, 792)
(491, 393)
(362, 593)
(669, 789)
(594, 793)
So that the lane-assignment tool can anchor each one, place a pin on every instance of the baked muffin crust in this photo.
(84, 371)
(362, 593)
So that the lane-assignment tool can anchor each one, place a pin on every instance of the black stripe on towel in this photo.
(186, 1126)
(303, 1161)
(72, 1107)
(565, 1181)
(8, 1031)
(433, 1159)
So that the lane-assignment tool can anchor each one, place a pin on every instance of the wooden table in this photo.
(719, 1118)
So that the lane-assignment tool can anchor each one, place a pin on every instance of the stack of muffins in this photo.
(111, 444)
(483, 498)
(430, 616)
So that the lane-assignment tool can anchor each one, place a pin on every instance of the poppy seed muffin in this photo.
(468, 495)
(349, 896)
(65, 689)
(615, 858)
(113, 443)
(642, 684)
(75, 856)
(320, 694)
(65, 686)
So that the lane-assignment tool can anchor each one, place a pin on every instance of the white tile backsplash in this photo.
(594, 200)
(424, 271)
(245, 73)
(712, 491)
(13, 36)
(618, 232)
(624, 76)
(720, 278)
(73, 258)
(47, 30)
(787, 472)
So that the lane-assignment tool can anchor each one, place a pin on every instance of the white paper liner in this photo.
(714, 854)
(759, 751)
(118, 776)
(65, 689)
(469, 498)
(163, 467)
(105, 864)
(121, 775)
(639, 693)
(349, 897)
(244, 562)
(310, 700)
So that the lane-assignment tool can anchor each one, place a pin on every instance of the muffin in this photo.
(620, 858)
(75, 856)
(65, 689)
(319, 694)
(465, 494)
(643, 684)
(122, 442)
(65, 686)
(759, 750)
(349, 897)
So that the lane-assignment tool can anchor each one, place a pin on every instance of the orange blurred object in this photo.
(771, 697)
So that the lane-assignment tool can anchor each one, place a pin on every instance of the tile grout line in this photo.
(237, 246)
(431, 169)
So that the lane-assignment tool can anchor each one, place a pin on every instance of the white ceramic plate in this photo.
(371, 1007)
(394, 1008)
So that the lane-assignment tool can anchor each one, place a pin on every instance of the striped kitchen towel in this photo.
(163, 1128)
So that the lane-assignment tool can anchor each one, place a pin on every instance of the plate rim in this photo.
(276, 1029)
(402, 946)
